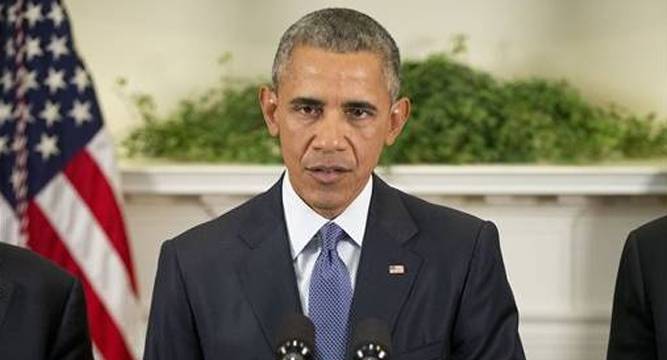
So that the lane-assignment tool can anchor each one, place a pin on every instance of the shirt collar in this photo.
(303, 222)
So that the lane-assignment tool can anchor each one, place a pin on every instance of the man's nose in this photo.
(330, 133)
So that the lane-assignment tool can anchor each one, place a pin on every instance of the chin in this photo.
(328, 202)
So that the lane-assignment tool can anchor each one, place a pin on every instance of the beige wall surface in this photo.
(613, 50)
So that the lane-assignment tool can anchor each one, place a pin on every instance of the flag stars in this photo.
(23, 111)
(55, 80)
(33, 14)
(48, 146)
(80, 79)
(12, 13)
(56, 14)
(58, 46)
(51, 113)
(6, 80)
(27, 80)
(9, 48)
(33, 47)
(4, 145)
(5, 112)
(81, 112)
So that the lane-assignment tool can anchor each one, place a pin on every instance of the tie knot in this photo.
(330, 233)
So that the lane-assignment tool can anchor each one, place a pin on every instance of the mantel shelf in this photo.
(180, 179)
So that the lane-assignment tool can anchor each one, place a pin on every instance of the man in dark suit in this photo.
(42, 309)
(330, 239)
(639, 317)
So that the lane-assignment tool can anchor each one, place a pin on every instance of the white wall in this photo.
(614, 50)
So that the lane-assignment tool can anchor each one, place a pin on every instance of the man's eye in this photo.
(308, 110)
(358, 113)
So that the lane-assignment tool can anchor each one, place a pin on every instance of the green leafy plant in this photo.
(466, 116)
(224, 125)
(460, 115)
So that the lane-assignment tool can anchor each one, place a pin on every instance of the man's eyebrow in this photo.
(359, 105)
(307, 101)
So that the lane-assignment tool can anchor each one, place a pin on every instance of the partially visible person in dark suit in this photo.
(639, 316)
(330, 239)
(42, 309)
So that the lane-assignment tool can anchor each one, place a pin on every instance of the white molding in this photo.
(181, 179)
(442, 180)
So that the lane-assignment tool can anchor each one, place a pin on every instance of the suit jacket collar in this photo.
(268, 279)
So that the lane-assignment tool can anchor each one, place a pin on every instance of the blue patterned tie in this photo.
(330, 297)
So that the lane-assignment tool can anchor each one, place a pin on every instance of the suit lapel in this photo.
(6, 290)
(267, 277)
(378, 293)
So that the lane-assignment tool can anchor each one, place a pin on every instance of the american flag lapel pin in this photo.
(396, 269)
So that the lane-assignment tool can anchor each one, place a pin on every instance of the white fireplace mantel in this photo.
(415, 179)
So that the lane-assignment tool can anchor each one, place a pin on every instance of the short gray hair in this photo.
(343, 31)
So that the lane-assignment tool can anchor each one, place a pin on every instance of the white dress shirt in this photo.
(303, 223)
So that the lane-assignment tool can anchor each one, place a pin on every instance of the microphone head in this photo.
(296, 338)
(371, 340)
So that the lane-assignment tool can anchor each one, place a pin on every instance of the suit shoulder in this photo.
(657, 227)
(652, 236)
(422, 210)
(223, 228)
(444, 230)
(31, 269)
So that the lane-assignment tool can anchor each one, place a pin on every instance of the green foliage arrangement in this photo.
(460, 115)
(223, 125)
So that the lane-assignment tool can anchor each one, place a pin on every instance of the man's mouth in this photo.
(327, 174)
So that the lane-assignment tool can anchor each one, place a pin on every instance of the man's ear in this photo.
(268, 101)
(400, 112)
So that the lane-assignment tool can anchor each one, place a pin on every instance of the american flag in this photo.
(60, 194)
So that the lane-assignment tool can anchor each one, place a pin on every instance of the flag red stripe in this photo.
(44, 240)
(92, 185)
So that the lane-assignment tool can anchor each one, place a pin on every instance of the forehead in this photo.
(315, 68)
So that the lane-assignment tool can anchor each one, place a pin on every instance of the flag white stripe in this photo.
(97, 355)
(9, 224)
(91, 249)
(101, 149)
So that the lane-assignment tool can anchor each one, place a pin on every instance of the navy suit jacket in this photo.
(223, 287)
(42, 309)
(639, 318)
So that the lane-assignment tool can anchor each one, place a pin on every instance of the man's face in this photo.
(333, 114)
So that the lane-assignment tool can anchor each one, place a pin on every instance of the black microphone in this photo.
(371, 340)
(296, 338)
